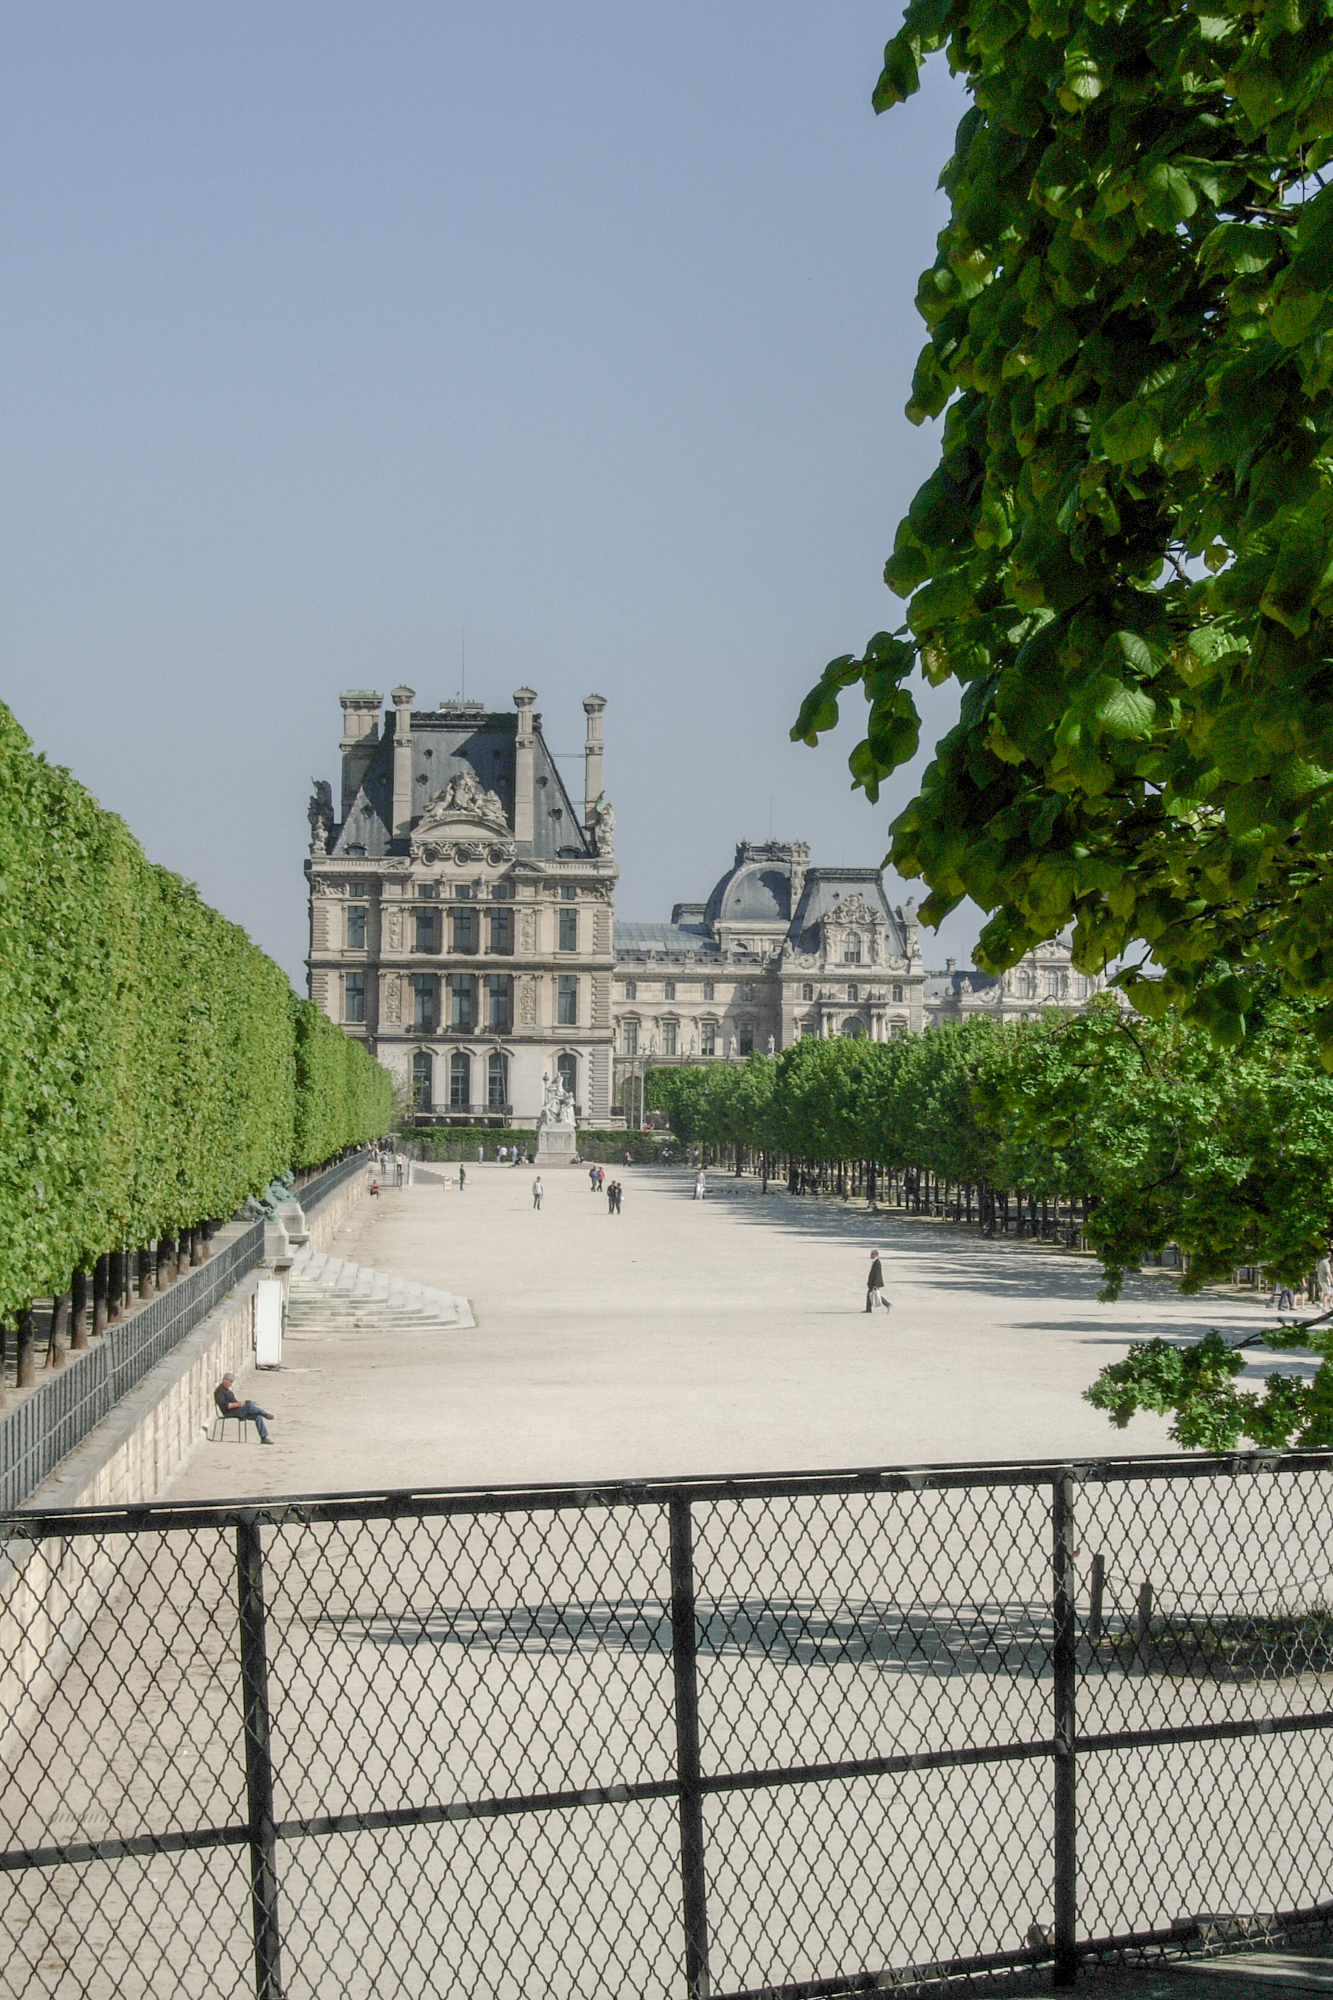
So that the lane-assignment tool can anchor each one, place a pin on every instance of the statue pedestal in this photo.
(557, 1145)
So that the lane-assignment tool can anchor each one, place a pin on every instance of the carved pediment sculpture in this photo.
(462, 822)
(853, 909)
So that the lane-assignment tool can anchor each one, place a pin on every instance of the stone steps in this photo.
(328, 1296)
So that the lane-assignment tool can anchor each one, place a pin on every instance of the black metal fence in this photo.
(46, 1426)
(323, 1183)
(789, 1736)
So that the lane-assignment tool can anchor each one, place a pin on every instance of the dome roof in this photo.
(755, 892)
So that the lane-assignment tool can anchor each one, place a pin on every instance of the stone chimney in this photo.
(361, 732)
(523, 772)
(592, 754)
(402, 761)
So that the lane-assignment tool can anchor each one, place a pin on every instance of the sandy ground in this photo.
(686, 1337)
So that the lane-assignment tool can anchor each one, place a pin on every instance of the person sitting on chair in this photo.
(229, 1404)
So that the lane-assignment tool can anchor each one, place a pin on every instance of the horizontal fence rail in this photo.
(790, 1735)
(58, 1416)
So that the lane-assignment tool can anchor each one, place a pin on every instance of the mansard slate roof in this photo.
(672, 938)
(757, 889)
(455, 737)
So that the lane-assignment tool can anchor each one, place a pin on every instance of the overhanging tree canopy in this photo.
(1125, 555)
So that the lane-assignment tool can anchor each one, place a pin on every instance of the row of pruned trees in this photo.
(155, 1067)
(1135, 1133)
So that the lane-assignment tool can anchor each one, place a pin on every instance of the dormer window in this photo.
(851, 950)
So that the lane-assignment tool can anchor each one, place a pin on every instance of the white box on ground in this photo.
(268, 1323)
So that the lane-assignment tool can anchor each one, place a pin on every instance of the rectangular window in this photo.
(853, 995)
(567, 892)
(356, 927)
(629, 1037)
(808, 991)
(428, 936)
(567, 1000)
(423, 1000)
(463, 891)
(502, 892)
(465, 930)
(502, 931)
(631, 989)
(499, 1009)
(709, 994)
(354, 996)
(897, 996)
(708, 1038)
(460, 1081)
(460, 1001)
(668, 1038)
(428, 891)
(747, 1041)
(668, 989)
(747, 993)
(569, 930)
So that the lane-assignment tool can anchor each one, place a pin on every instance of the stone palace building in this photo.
(462, 925)
(461, 908)
(782, 950)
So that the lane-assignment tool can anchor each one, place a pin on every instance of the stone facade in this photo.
(461, 909)
(780, 950)
(783, 950)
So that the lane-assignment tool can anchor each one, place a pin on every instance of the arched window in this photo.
(851, 951)
(567, 1069)
(423, 1094)
(852, 1028)
(898, 995)
(460, 1081)
(497, 1080)
(1025, 985)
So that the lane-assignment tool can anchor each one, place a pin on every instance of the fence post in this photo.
(685, 1671)
(1065, 1666)
(258, 1760)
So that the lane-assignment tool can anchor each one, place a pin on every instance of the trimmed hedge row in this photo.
(155, 1066)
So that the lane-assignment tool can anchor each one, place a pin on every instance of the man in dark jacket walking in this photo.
(875, 1284)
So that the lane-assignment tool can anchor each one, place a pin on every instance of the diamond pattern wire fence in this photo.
(57, 1417)
(780, 1736)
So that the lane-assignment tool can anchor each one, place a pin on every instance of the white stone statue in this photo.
(559, 1106)
(771, 1045)
(732, 1050)
(602, 823)
(694, 1045)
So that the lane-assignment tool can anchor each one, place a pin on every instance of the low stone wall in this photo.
(47, 1593)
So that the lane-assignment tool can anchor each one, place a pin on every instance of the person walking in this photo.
(619, 1196)
(875, 1285)
(601, 1176)
(462, 1177)
(610, 1197)
(592, 1180)
(700, 1186)
(537, 1192)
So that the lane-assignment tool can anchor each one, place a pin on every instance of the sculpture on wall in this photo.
(320, 815)
(602, 825)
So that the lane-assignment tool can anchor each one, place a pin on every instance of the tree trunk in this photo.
(197, 1249)
(207, 1234)
(147, 1272)
(115, 1286)
(166, 1261)
(27, 1353)
(184, 1252)
(78, 1299)
(58, 1348)
(101, 1275)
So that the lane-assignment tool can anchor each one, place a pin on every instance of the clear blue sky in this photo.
(336, 332)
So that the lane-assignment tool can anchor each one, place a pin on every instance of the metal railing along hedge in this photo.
(802, 1735)
(58, 1416)
(323, 1183)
